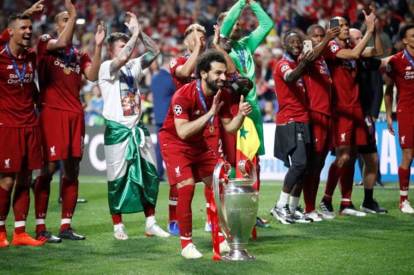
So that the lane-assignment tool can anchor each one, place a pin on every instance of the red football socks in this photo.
(184, 214)
(116, 219)
(333, 177)
(347, 182)
(41, 194)
(172, 204)
(5, 196)
(21, 202)
(404, 178)
(149, 210)
(208, 193)
(69, 199)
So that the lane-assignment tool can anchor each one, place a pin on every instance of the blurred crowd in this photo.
(166, 20)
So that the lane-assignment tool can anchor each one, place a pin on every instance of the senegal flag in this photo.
(247, 141)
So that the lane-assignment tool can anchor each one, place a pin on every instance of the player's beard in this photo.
(214, 85)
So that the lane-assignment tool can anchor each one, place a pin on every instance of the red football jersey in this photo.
(186, 104)
(290, 96)
(4, 36)
(16, 99)
(318, 85)
(402, 72)
(60, 79)
(343, 72)
(174, 64)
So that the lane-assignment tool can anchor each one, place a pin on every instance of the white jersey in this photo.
(122, 99)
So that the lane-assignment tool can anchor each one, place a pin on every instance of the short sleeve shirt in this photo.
(186, 104)
(122, 99)
(174, 64)
(17, 95)
(60, 76)
(291, 96)
(343, 72)
(402, 73)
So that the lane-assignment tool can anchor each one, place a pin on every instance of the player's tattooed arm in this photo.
(123, 57)
(65, 37)
(153, 50)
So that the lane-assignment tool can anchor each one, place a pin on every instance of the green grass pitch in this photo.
(347, 245)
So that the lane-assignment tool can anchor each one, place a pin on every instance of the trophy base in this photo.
(238, 255)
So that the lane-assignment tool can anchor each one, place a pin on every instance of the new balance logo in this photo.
(403, 140)
(7, 164)
(53, 151)
(177, 171)
(343, 137)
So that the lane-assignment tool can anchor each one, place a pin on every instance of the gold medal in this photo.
(66, 70)
(211, 129)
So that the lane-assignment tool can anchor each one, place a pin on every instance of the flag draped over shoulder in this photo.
(131, 170)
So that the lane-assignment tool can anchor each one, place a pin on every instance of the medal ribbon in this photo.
(242, 58)
(68, 57)
(129, 80)
(409, 58)
(20, 74)
(203, 100)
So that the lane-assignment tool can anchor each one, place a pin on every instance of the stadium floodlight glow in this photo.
(80, 21)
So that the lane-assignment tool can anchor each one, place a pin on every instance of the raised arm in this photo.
(255, 38)
(125, 54)
(66, 36)
(231, 18)
(185, 70)
(91, 72)
(186, 128)
(222, 45)
(153, 50)
(296, 73)
(356, 52)
(35, 8)
(378, 48)
(330, 34)
(234, 124)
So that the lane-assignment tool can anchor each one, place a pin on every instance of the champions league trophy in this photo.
(237, 204)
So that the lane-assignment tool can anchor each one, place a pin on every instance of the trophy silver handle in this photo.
(216, 189)
(248, 169)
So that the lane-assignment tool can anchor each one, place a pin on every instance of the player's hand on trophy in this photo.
(217, 104)
(100, 34)
(70, 7)
(131, 21)
(244, 107)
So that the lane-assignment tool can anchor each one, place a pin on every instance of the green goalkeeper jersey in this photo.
(242, 54)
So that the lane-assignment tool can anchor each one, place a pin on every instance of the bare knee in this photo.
(7, 181)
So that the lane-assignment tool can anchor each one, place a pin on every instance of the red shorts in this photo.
(20, 147)
(406, 129)
(321, 130)
(349, 128)
(62, 134)
(183, 163)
